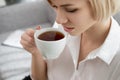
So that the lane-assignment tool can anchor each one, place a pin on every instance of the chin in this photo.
(73, 34)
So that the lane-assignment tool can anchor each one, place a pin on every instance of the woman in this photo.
(92, 51)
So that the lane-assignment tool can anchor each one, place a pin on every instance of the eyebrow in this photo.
(49, 1)
(64, 5)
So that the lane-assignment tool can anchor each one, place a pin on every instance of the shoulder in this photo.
(116, 59)
(114, 67)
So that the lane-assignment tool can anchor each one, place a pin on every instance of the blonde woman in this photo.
(92, 51)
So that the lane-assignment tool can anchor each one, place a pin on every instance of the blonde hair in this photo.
(104, 9)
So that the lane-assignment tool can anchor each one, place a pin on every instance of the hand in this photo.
(39, 67)
(27, 41)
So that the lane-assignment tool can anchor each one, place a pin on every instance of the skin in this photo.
(77, 19)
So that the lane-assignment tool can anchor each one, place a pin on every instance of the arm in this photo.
(39, 68)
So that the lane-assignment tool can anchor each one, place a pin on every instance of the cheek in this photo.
(82, 19)
(81, 23)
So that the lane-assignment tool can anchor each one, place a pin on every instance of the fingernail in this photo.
(38, 27)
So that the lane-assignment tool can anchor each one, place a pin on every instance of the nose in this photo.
(60, 17)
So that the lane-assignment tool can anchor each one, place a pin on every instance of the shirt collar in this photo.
(111, 44)
(73, 42)
(109, 48)
(106, 52)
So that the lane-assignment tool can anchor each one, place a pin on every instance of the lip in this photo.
(68, 29)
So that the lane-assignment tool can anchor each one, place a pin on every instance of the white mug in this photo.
(50, 49)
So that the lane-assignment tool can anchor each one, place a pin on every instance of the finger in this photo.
(38, 27)
(29, 47)
(26, 37)
(30, 32)
(27, 44)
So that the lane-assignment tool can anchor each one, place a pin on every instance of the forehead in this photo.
(61, 2)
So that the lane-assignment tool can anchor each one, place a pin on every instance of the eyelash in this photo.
(72, 11)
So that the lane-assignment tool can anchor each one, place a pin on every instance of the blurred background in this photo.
(10, 2)
(15, 17)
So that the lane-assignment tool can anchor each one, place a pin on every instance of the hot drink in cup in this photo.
(50, 42)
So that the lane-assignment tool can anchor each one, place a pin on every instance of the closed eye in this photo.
(54, 6)
(73, 10)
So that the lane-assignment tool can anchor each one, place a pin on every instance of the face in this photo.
(75, 15)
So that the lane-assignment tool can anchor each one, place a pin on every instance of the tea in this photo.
(51, 36)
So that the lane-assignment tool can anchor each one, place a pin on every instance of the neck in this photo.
(93, 38)
(98, 32)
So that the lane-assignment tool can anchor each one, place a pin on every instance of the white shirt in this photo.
(101, 64)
